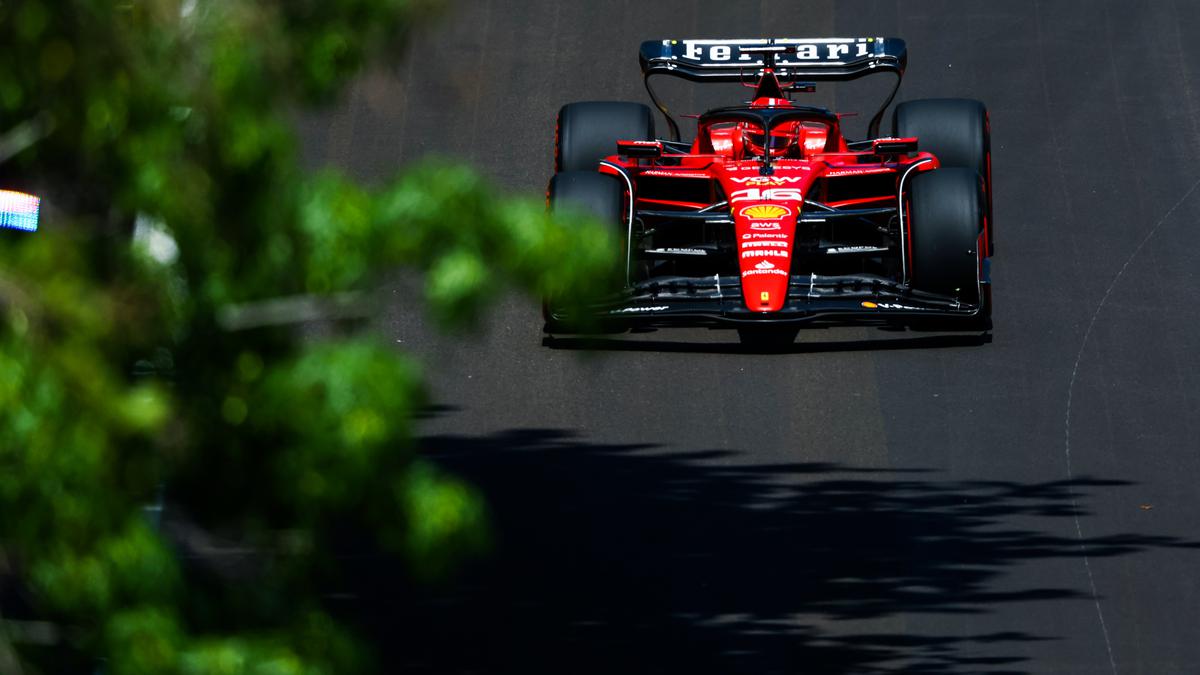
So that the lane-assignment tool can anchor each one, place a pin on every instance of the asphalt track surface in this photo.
(870, 501)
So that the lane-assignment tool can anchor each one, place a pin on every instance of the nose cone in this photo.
(765, 233)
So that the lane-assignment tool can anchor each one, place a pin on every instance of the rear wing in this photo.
(829, 59)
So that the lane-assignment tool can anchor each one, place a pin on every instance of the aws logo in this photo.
(765, 212)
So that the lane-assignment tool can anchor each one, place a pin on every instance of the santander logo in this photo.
(764, 267)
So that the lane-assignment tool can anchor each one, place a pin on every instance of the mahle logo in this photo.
(766, 212)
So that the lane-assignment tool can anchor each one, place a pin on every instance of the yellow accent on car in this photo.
(765, 212)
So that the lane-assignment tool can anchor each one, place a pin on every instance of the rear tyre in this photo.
(946, 214)
(592, 194)
(588, 132)
(956, 131)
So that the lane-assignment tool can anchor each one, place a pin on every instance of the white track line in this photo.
(1067, 419)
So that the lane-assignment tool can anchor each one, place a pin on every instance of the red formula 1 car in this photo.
(770, 217)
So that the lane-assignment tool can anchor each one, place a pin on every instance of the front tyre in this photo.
(591, 194)
(946, 211)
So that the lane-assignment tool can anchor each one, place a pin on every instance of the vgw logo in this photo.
(765, 180)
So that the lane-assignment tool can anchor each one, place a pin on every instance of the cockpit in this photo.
(770, 133)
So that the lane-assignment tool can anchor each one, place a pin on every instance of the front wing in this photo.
(812, 299)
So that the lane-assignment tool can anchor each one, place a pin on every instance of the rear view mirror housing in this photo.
(893, 146)
(640, 148)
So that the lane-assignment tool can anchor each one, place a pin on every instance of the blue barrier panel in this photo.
(19, 211)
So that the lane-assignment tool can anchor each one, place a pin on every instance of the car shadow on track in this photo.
(627, 344)
(627, 559)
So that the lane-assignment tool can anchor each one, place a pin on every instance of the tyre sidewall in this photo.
(600, 197)
(946, 218)
(588, 132)
(958, 132)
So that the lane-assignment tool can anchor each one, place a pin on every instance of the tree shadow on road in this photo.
(626, 559)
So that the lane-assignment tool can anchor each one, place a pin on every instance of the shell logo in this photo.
(766, 212)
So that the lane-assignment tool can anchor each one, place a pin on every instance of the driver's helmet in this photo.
(784, 137)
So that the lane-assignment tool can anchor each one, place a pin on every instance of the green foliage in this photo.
(148, 338)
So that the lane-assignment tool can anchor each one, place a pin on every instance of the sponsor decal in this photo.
(764, 253)
(761, 235)
(764, 244)
(626, 310)
(765, 212)
(766, 180)
(765, 265)
(835, 173)
(678, 251)
(854, 249)
(765, 226)
(714, 51)
(770, 194)
(674, 174)
(760, 272)
(892, 305)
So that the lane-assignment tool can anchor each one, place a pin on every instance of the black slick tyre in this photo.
(588, 132)
(586, 193)
(946, 214)
(591, 193)
(958, 132)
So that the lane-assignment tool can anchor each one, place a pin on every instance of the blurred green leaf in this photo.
(177, 458)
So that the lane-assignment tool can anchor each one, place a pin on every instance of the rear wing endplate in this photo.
(829, 59)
